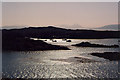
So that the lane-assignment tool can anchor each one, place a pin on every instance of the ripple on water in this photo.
(37, 64)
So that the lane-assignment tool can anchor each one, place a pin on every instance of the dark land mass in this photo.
(112, 56)
(25, 44)
(87, 44)
(19, 39)
(51, 32)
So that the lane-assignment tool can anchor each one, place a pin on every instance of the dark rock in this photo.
(68, 41)
(112, 56)
(87, 44)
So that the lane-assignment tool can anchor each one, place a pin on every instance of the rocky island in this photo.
(88, 44)
(112, 56)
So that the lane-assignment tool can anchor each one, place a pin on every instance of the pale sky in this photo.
(86, 14)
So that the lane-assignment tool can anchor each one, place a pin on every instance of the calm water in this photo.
(45, 64)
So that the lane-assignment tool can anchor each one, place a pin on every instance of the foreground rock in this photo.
(25, 44)
(87, 44)
(112, 56)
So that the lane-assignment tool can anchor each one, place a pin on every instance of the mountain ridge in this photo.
(56, 32)
(109, 27)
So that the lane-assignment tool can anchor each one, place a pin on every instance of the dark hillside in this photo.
(53, 32)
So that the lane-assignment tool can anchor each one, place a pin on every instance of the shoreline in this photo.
(26, 44)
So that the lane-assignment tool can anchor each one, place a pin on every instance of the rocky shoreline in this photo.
(26, 44)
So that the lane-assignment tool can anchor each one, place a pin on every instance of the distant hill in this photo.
(74, 26)
(109, 27)
(55, 32)
(13, 27)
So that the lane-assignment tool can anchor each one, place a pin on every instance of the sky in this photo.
(60, 0)
(85, 14)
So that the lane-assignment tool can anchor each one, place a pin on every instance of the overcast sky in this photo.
(86, 14)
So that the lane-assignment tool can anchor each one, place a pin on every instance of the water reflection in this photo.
(51, 64)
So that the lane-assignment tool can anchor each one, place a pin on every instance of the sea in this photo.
(60, 63)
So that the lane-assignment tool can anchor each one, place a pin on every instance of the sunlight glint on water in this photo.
(39, 64)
